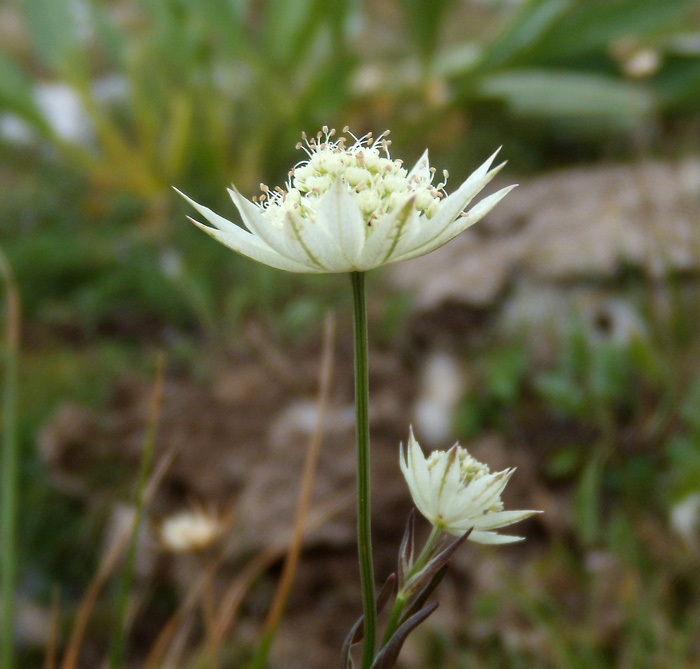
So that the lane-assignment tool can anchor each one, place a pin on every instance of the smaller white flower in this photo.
(191, 531)
(456, 492)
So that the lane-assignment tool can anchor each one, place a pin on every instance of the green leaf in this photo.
(53, 27)
(569, 96)
(679, 84)
(424, 19)
(587, 502)
(594, 24)
(525, 29)
(16, 94)
(284, 21)
(113, 40)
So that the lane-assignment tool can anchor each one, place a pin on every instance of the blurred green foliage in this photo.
(624, 417)
(197, 94)
(214, 90)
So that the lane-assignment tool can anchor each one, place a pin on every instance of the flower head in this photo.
(350, 207)
(191, 531)
(456, 492)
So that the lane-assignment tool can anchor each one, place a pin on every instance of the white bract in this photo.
(456, 492)
(350, 208)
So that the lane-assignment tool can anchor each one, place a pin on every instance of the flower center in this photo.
(378, 184)
(470, 470)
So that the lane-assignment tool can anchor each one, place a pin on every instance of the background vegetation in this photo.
(106, 105)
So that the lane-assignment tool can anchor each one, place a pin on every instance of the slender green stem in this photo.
(10, 472)
(364, 530)
(425, 554)
(116, 651)
(402, 595)
(395, 618)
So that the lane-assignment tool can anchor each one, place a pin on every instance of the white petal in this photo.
(407, 240)
(405, 463)
(481, 537)
(340, 216)
(250, 246)
(492, 521)
(255, 222)
(454, 204)
(421, 170)
(481, 494)
(384, 238)
(315, 243)
(217, 221)
(475, 214)
(260, 226)
(417, 476)
(444, 479)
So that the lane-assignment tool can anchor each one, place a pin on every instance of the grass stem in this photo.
(116, 654)
(10, 471)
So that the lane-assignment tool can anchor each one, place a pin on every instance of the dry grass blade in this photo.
(50, 659)
(107, 566)
(310, 464)
(117, 647)
(228, 609)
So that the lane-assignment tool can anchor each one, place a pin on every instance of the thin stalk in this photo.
(303, 501)
(116, 654)
(10, 471)
(402, 595)
(364, 528)
(210, 619)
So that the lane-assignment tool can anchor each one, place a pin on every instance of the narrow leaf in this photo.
(16, 94)
(421, 598)
(407, 548)
(437, 563)
(357, 631)
(390, 653)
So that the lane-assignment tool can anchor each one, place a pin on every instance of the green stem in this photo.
(364, 532)
(425, 554)
(402, 595)
(10, 472)
(395, 618)
(116, 651)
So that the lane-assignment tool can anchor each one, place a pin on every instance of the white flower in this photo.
(456, 492)
(191, 531)
(350, 208)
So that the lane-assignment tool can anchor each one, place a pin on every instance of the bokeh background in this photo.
(560, 335)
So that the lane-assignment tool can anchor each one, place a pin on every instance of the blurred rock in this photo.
(32, 624)
(557, 245)
(440, 390)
